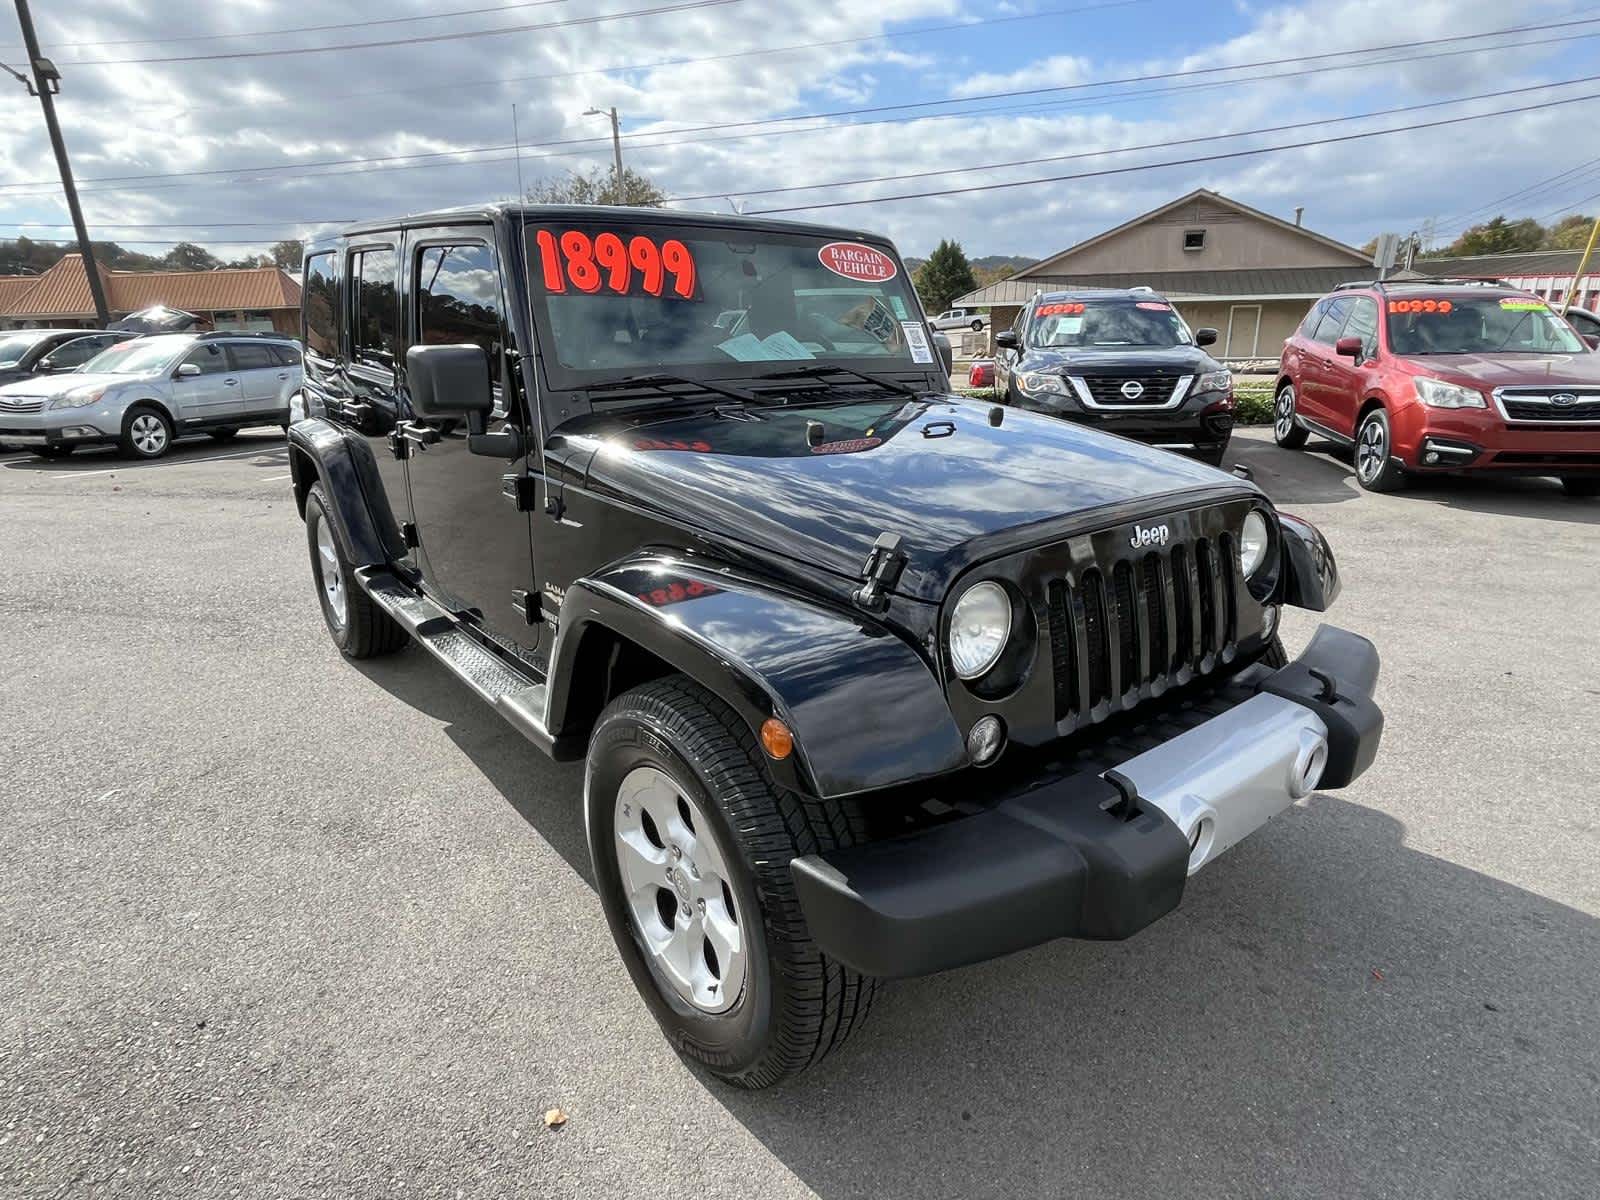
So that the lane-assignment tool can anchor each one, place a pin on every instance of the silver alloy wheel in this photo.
(332, 577)
(1371, 452)
(149, 433)
(1283, 418)
(677, 886)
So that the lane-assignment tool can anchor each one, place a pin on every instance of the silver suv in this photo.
(144, 393)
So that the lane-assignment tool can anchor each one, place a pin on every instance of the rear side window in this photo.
(375, 323)
(320, 327)
(1309, 325)
(458, 299)
(248, 356)
(1333, 320)
(286, 356)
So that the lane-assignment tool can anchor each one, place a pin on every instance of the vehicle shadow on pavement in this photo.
(1329, 1012)
(99, 460)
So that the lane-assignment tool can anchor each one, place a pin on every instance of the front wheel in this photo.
(357, 625)
(1285, 430)
(146, 433)
(1376, 468)
(1581, 485)
(691, 842)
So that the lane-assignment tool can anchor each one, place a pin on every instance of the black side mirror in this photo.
(1205, 337)
(1006, 339)
(947, 356)
(449, 381)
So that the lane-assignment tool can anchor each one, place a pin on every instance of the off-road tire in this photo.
(1390, 476)
(1581, 485)
(129, 443)
(1284, 431)
(366, 630)
(1274, 655)
(797, 1005)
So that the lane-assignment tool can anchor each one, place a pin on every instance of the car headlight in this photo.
(81, 398)
(1214, 381)
(1436, 393)
(980, 624)
(1040, 384)
(1254, 539)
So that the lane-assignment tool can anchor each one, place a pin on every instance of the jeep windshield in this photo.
(614, 300)
(1086, 324)
(138, 357)
(1493, 324)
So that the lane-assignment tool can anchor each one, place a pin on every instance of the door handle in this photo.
(231, 382)
(422, 435)
(283, 374)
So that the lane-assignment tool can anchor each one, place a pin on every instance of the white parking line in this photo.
(152, 466)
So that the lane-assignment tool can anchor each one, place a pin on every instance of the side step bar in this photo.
(515, 695)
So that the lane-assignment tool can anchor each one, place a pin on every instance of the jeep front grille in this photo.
(1133, 628)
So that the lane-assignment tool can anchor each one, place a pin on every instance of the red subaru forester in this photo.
(1443, 375)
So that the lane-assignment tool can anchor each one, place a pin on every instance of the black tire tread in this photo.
(369, 631)
(826, 1001)
(1296, 437)
(1581, 485)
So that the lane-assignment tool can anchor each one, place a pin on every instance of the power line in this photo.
(1522, 193)
(216, 37)
(374, 162)
(1180, 162)
(1214, 137)
(460, 35)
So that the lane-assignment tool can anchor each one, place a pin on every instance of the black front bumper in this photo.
(1074, 855)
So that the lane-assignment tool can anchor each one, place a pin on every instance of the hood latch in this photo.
(881, 572)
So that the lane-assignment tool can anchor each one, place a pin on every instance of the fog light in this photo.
(79, 431)
(985, 740)
(1269, 620)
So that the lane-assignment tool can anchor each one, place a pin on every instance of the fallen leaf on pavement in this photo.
(554, 1118)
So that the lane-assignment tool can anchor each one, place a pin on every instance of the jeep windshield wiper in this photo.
(661, 382)
(821, 369)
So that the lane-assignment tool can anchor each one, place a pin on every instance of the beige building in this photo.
(1247, 274)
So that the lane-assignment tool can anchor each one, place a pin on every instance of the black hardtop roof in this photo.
(1095, 293)
(469, 213)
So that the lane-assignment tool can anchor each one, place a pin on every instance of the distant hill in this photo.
(987, 262)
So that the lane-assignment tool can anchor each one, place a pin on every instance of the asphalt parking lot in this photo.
(279, 925)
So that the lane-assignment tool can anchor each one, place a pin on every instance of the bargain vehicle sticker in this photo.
(1420, 306)
(852, 260)
(635, 266)
(1522, 304)
(847, 446)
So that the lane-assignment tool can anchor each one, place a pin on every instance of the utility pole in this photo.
(1583, 264)
(616, 141)
(46, 83)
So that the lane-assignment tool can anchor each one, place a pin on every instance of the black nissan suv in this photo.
(1121, 360)
(869, 680)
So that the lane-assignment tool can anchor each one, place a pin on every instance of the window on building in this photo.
(320, 329)
(1194, 239)
(458, 299)
(376, 315)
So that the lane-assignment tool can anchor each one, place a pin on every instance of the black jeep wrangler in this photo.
(870, 680)
(1123, 361)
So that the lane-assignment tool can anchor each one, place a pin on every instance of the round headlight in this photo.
(979, 627)
(1253, 541)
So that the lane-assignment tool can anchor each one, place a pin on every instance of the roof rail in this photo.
(1144, 288)
(1434, 281)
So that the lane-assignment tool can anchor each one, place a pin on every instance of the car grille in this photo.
(1140, 625)
(1552, 405)
(1157, 390)
(28, 404)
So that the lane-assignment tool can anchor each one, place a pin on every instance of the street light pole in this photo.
(616, 140)
(46, 82)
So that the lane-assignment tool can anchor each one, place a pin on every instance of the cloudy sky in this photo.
(719, 102)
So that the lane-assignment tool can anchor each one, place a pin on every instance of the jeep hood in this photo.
(1509, 370)
(956, 488)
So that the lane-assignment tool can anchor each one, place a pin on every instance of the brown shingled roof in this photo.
(63, 290)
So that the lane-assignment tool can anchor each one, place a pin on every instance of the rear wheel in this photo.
(146, 433)
(357, 625)
(977, 326)
(691, 841)
(1284, 430)
(1376, 468)
(1581, 485)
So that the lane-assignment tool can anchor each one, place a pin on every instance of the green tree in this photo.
(946, 275)
(599, 186)
(1499, 236)
(287, 254)
(186, 256)
(1569, 233)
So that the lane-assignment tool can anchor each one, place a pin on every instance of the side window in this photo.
(1309, 325)
(1333, 320)
(286, 355)
(1363, 323)
(76, 352)
(251, 356)
(376, 309)
(319, 327)
(458, 299)
(209, 358)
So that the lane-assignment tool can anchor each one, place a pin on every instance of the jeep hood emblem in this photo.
(1149, 535)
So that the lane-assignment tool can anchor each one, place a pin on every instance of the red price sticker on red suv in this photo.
(852, 260)
(609, 262)
(1420, 306)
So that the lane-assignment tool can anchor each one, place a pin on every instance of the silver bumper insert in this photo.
(1223, 780)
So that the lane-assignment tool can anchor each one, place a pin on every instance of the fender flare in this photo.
(866, 710)
(1310, 575)
(320, 452)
